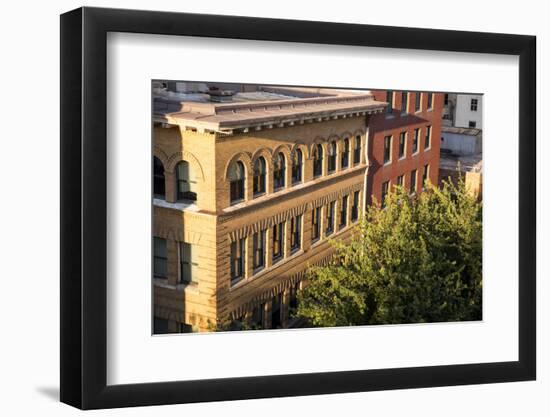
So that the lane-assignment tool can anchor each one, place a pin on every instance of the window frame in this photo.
(330, 214)
(297, 167)
(415, 142)
(157, 257)
(237, 185)
(413, 185)
(316, 224)
(404, 102)
(239, 244)
(332, 157)
(428, 138)
(344, 156)
(259, 245)
(296, 233)
(191, 263)
(185, 195)
(159, 178)
(318, 160)
(418, 102)
(279, 172)
(388, 141)
(278, 231)
(260, 177)
(402, 149)
(357, 150)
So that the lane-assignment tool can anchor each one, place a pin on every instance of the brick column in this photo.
(337, 216)
(322, 222)
(170, 186)
(306, 229)
(248, 266)
(173, 261)
(286, 249)
(339, 148)
(248, 186)
(285, 308)
(267, 314)
(288, 172)
(269, 247)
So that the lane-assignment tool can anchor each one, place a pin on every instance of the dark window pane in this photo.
(158, 178)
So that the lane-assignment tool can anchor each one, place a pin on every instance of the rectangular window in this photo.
(402, 144)
(417, 101)
(344, 212)
(385, 188)
(400, 180)
(330, 218)
(472, 124)
(389, 99)
(344, 161)
(428, 137)
(278, 241)
(258, 250)
(430, 100)
(446, 101)
(425, 175)
(355, 207)
(316, 224)
(258, 316)
(188, 263)
(160, 258)
(387, 149)
(237, 260)
(357, 150)
(415, 141)
(296, 233)
(276, 311)
(404, 102)
(473, 104)
(160, 326)
(413, 181)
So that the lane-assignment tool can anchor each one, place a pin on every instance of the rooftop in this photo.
(466, 163)
(461, 130)
(227, 112)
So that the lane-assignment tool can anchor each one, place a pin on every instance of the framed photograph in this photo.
(258, 208)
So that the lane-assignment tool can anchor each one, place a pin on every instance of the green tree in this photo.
(416, 260)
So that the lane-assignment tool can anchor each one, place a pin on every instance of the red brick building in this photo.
(404, 142)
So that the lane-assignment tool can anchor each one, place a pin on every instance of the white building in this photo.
(463, 110)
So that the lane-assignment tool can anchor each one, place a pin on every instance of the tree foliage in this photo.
(416, 260)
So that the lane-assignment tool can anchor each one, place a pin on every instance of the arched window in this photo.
(357, 150)
(332, 157)
(236, 182)
(158, 178)
(259, 176)
(279, 170)
(317, 161)
(186, 183)
(297, 164)
(345, 154)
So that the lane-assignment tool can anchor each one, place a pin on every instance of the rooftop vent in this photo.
(220, 96)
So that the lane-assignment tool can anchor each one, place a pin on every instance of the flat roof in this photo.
(469, 131)
(269, 107)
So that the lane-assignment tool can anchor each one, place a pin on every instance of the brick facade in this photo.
(393, 124)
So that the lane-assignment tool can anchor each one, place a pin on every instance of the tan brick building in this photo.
(248, 190)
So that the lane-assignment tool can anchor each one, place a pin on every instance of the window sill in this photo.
(235, 202)
(235, 281)
(256, 195)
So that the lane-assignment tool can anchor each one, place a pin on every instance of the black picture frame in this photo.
(84, 207)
